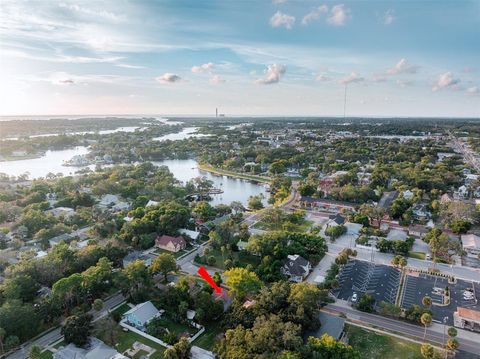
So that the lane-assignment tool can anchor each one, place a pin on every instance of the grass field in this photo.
(376, 346)
(243, 258)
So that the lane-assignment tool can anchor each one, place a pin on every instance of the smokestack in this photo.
(216, 112)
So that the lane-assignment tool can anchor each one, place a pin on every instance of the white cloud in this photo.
(273, 73)
(279, 2)
(378, 78)
(127, 66)
(402, 67)
(208, 67)
(315, 14)
(216, 80)
(168, 78)
(280, 19)
(389, 17)
(473, 90)
(446, 80)
(352, 78)
(323, 78)
(339, 15)
(89, 12)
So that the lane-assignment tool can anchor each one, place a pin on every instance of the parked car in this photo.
(354, 297)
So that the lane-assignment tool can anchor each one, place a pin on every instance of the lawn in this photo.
(376, 346)
(177, 254)
(301, 227)
(140, 354)
(207, 339)
(417, 255)
(241, 257)
(47, 354)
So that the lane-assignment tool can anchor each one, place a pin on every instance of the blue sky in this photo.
(281, 57)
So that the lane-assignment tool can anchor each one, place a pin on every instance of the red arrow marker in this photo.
(204, 274)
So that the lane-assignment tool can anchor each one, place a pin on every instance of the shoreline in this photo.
(233, 174)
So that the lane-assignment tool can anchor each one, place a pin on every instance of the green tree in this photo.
(134, 280)
(35, 352)
(427, 301)
(77, 329)
(97, 304)
(180, 350)
(164, 263)
(3, 332)
(329, 348)
(255, 202)
(242, 282)
(426, 320)
(366, 302)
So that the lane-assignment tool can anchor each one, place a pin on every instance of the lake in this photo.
(235, 189)
(51, 161)
(184, 170)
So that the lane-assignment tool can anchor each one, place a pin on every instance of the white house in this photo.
(296, 268)
(66, 212)
(96, 349)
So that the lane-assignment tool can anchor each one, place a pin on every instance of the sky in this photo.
(246, 57)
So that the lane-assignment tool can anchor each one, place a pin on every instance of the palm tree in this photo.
(35, 352)
(427, 351)
(427, 301)
(426, 320)
(452, 344)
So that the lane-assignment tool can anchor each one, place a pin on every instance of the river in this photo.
(186, 132)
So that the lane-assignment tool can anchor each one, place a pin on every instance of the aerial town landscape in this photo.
(201, 215)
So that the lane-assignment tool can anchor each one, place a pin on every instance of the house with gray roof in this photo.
(296, 268)
(329, 324)
(140, 315)
(96, 349)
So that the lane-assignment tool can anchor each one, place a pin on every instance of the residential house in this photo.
(96, 349)
(194, 235)
(66, 237)
(332, 325)
(65, 212)
(467, 318)
(325, 205)
(140, 315)
(420, 212)
(296, 268)
(151, 203)
(137, 255)
(461, 192)
(171, 244)
(397, 235)
(112, 202)
(408, 195)
(417, 230)
(471, 244)
(335, 220)
(387, 199)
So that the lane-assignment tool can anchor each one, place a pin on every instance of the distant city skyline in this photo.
(251, 58)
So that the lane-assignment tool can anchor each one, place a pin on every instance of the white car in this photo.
(354, 297)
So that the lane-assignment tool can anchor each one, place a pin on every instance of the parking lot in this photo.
(362, 277)
(416, 286)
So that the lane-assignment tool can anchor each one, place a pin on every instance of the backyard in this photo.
(240, 259)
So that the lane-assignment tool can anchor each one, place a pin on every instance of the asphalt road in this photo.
(55, 334)
(471, 346)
